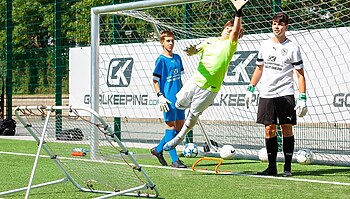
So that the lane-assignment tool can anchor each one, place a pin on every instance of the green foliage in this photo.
(34, 29)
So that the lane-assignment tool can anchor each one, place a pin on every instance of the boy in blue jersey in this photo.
(166, 83)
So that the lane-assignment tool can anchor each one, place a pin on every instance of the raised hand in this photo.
(239, 3)
(191, 50)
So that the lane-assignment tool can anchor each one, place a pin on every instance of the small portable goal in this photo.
(86, 151)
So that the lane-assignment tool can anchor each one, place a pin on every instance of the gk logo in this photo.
(119, 72)
(241, 68)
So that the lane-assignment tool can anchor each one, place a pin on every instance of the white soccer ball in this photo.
(263, 155)
(190, 150)
(227, 152)
(305, 156)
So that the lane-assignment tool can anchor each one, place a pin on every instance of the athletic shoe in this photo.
(287, 174)
(167, 147)
(171, 144)
(159, 156)
(268, 172)
(178, 164)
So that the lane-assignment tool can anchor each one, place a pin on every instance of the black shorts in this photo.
(279, 110)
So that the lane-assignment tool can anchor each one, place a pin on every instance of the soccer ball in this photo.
(227, 152)
(190, 150)
(305, 156)
(263, 154)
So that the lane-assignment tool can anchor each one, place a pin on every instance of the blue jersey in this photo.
(168, 72)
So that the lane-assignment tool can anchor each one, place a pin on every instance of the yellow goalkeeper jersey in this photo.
(215, 58)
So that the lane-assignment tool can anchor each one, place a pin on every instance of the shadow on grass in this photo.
(331, 172)
(321, 172)
(324, 172)
(226, 163)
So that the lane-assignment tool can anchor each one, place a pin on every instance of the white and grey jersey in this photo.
(278, 61)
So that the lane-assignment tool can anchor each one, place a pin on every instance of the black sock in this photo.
(288, 149)
(272, 149)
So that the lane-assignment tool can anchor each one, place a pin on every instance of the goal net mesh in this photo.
(87, 152)
(129, 46)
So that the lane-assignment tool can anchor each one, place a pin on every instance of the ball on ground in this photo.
(263, 154)
(305, 156)
(227, 152)
(190, 150)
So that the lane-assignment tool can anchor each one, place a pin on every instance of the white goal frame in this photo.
(241, 123)
(95, 44)
(95, 35)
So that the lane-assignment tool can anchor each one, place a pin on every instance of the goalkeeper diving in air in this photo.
(199, 92)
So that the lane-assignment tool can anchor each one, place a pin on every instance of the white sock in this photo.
(177, 139)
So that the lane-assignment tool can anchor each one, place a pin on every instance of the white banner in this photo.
(126, 88)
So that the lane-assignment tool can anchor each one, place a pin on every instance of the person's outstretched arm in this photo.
(237, 26)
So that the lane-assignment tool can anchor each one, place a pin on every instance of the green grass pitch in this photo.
(308, 181)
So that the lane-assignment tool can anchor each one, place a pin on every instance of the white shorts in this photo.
(195, 98)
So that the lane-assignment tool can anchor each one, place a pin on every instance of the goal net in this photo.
(125, 46)
(87, 153)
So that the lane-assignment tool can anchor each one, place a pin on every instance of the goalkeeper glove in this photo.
(300, 107)
(239, 4)
(249, 95)
(192, 50)
(163, 103)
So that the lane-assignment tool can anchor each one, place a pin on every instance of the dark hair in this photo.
(281, 17)
(165, 33)
(229, 23)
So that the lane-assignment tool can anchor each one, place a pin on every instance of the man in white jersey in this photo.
(277, 59)
(200, 91)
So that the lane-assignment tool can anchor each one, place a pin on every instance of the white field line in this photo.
(203, 171)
